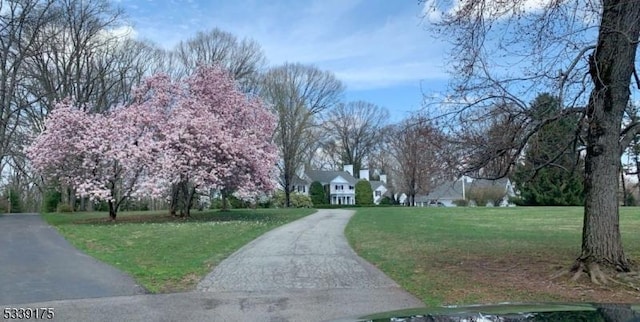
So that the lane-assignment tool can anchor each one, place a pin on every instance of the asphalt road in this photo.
(37, 264)
(302, 271)
(311, 253)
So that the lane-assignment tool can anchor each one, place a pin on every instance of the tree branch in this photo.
(627, 135)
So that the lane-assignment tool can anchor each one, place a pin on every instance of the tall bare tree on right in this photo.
(586, 52)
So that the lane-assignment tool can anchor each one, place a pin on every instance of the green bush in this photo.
(14, 204)
(629, 200)
(461, 202)
(51, 199)
(364, 194)
(483, 196)
(64, 207)
(297, 200)
(237, 203)
(317, 194)
(101, 206)
(4, 205)
(386, 201)
(518, 201)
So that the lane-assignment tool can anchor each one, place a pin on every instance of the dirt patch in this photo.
(188, 282)
(518, 279)
(156, 218)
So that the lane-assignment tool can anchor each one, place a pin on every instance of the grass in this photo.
(483, 255)
(165, 254)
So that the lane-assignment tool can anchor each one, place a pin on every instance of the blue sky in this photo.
(378, 48)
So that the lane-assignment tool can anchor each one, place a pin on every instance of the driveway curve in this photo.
(302, 271)
(310, 255)
(37, 264)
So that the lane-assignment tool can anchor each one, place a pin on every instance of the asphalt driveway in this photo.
(302, 271)
(37, 264)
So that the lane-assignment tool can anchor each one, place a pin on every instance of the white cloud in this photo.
(122, 32)
(431, 12)
(364, 49)
(392, 50)
(368, 77)
(435, 10)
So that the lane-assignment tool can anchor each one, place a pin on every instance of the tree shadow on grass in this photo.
(216, 216)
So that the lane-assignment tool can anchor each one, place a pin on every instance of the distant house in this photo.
(447, 193)
(379, 190)
(379, 187)
(300, 185)
(339, 184)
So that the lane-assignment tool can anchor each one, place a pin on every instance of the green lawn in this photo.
(165, 254)
(482, 255)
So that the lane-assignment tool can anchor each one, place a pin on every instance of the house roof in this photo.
(299, 181)
(325, 177)
(448, 191)
(376, 184)
(453, 190)
(483, 183)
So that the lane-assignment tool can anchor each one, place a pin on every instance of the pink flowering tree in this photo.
(105, 157)
(216, 137)
(84, 151)
(176, 139)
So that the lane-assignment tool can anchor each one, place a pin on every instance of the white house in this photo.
(339, 184)
(379, 187)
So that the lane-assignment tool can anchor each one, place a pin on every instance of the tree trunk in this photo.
(287, 191)
(173, 203)
(188, 195)
(611, 67)
(601, 240)
(625, 199)
(112, 210)
(224, 195)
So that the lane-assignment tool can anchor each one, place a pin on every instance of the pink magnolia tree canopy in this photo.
(204, 131)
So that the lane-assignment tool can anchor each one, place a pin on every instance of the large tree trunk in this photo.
(112, 210)
(611, 67)
(601, 240)
(287, 191)
(173, 203)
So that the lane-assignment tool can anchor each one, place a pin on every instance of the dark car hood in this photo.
(512, 312)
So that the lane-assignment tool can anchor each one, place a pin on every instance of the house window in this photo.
(378, 193)
(339, 187)
(350, 187)
(304, 188)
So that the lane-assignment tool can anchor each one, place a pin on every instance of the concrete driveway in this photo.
(37, 264)
(302, 271)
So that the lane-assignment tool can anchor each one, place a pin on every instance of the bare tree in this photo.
(355, 131)
(586, 51)
(79, 56)
(298, 94)
(421, 153)
(21, 23)
(84, 54)
(244, 59)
